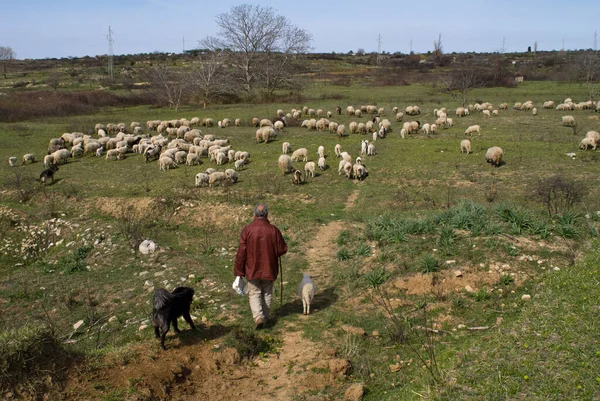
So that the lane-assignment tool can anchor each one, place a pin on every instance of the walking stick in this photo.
(280, 283)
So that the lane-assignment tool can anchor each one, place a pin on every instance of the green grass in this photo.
(422, 203)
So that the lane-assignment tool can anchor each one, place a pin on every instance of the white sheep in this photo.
(112, 154)
(232, 175)
(494, 156)
(28, 158)
(286, 148)
(486, 113)
(12, 161)
(301, 153)
(201, 179)
(285, 164)
(321, 151)
(192, 159)
(399, 116)
(217, 177)
(99, 152)
(165, 163)
(346, 156)
(353, 126)
(363, 147)
(297, 178)
(588, 143)
(465, 146)
(371, 150)
(426, 128)
(472, 129)
(433, 128)
(341, 130)
(61, 155)
(239, 164)
(278, 125)
(265, 122)
(495, 113)
(306, 291)
(359, 172)
(569, 121)
(322, 163)
(309, 169)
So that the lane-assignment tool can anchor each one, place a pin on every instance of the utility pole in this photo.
(183, 51)
(595, 40)
(378, 50)
(411, 50)
(111, 60)
(503, 45)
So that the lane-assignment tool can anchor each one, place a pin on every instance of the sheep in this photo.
(309, 169)
(337, 150)
(465, 146)
(358, 113)
(369, 126)
(338, 110)
(350, 110)
(76, 151)
(99, 152)
(239, 164)
(285, 164)
(278, 125)
(359, 160)
(12, 161)
(319, 112)
(265, 134)
(399, 116)
(61, 155)
(280, 113)
(503, 106)
(201, 179)
(411, 127)
(322, 163)
(494, 156)
(255, 122)
(403, 133)
(548, 104)
(208, 122)
(333, 126)
(341, 130)
(180, 157)
(329, 114)
(300, 153)
(217, 177)
(588, 143)
(346, 156)
(449, 123)
(232, 175)
(593, 134)
(486, 113)
(534, 111)
(433, 128)
(569, 121)
(371, 150)
(286, 148)
(363, 147)
(426, 128)
(237, 122)
(192, 159)
(297, 178)
(113, 154)
(472, 129)
(321, 151)
(359, 172)
(347, 169)
(374, 135)
(495, 113)
(27, 158)
(341, 166)
(306, 291)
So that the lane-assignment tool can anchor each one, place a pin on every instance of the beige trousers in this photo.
(260, 295)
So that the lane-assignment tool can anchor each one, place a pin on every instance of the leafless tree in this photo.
(588, 70)
(459, 83)
(6, 54)
(170, 85)
(210, 79)
(252, 34)
(438, 49)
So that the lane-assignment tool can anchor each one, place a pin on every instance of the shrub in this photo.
(343, 254)
(250, 345)
(559, 193)
(363, 250)
(429, 264)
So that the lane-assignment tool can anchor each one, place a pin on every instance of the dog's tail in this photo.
(162, 298)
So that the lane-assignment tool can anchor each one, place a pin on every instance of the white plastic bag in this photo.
(239, 285)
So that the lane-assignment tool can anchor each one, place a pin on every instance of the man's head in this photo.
(261, 210)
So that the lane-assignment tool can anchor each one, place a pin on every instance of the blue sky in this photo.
(63, 28)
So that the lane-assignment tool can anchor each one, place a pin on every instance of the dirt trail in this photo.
(320, 250)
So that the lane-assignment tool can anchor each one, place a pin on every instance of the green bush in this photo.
(429, 264)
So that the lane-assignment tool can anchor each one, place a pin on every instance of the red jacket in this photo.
(261, 244)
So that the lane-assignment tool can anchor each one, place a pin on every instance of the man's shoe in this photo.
(259, 323)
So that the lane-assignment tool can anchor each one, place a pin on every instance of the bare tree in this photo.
(588, 70)
(438, 49)
(210, 80)
(6, 54)
(459, 83)
(170, 85)
(249, 34)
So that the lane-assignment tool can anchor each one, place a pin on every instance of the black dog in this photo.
(48, 173)
(167, 307)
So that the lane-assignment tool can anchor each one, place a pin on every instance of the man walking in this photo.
(261, 245)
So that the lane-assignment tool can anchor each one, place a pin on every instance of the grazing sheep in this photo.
(359, 172)
(495, 113)
(300, 153)
(286, 148)
(346, 156)
(375, 134)
(265, 134)
(12, 161)
(28, 158)
(192, 159)
(548, 104)
(201, 179)
(99, 152)
(569, 121)
(494, 156)
(285, 164)
(322, 163)
(449, 123)
(297, 178)
(399, 116)
(465, 146)
(278, 125)
(361, 128)
(337, 150)
(232, 175)
(587, 143)
(350, 110)
(321, 151)
(342, 165)
(333, 126)
(426, 128)
(363, 147)
(358, 113)
(61, 155)
(371, 150)
(113, 154)
(164, 163)
(341, 130)
(503, 106)
(486, 113)
(472, 129)
(338, 110)
(306, 291)
(534, 111)
(353, 126)
(433, 128)
(180, 157)
(217, 177)
(309, 169)
(76, 151)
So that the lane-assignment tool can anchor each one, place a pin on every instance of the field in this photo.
(439, 276)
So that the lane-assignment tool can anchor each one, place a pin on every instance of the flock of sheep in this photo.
(181, 141)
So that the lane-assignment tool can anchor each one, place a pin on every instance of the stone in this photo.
(395, 367)
(77, 325)
(112, 319)
(355, 392)
(143, 327)
(458, 273)
(468, 288)
(526, 297)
